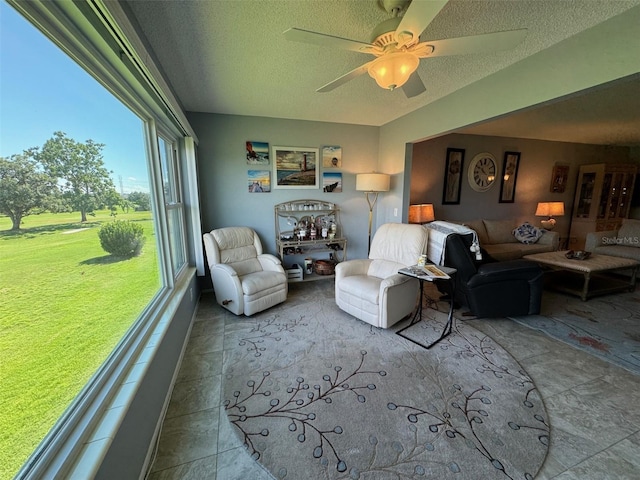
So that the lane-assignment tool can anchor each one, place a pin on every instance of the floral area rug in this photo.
(315, 393)
(607, 327)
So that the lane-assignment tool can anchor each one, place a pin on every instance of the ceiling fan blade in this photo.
(344, 78)
(315, 38)
(414, 86)
(489, 42)
(418, 16)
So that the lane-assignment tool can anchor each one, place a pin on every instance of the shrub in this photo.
(122, 238)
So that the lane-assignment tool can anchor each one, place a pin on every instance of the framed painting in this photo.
(559, 177)
(509, 177)
(332, 157)
(259, 181)
(257, 153)
(295, 167)
(332, 182)
(452, 176)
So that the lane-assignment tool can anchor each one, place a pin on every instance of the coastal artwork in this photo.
(332, 182)
(259, 181)
(332, 157)
(295, 167)
(257, 153)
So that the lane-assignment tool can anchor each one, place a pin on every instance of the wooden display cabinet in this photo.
(602, 200)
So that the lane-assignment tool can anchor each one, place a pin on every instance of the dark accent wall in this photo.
(533, 182)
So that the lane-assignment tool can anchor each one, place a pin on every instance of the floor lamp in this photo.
(372, 184)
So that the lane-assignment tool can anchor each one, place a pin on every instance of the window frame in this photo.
(175, 204)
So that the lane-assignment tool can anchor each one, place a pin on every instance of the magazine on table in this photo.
(431, 271)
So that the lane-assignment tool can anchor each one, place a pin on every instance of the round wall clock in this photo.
(482, 172)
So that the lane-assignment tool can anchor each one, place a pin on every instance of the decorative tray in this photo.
(577, 254)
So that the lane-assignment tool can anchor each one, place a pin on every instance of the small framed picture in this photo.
(259, 181)
(332, 157)
(509, 177)
(332, 182)
(559, 177)
(452, 176)
(257, 153)
(295, 167)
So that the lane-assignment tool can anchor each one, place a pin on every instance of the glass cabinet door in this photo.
(625, 198)
(614, 195)
(605, 204)
(586, 195)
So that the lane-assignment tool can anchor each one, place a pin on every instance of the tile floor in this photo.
(593, 406)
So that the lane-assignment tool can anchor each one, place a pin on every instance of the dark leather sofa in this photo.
(493, 289)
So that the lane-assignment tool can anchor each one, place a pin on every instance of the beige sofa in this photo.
(624, 242)
(497, 239)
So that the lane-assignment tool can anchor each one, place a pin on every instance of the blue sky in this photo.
(43, 91)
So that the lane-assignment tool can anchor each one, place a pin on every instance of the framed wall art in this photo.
(332, 157)
(257, 153)
(259, 181)
(559, 177)
(509, 177)
(295, 167)
(452, 176)
(332, 182)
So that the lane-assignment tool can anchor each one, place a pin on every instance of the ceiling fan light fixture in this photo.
(392, 70)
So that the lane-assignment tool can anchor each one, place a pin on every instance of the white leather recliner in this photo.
(245, 280)
(372, 289)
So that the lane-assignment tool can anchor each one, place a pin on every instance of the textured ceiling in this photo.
(605, 115)
(229, 56)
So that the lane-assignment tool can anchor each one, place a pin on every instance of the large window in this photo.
(66, 304)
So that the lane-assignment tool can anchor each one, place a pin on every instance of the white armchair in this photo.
(372, 289)
(245, 280)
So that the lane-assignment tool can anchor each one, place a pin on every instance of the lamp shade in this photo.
(550, 209)
(392, 70)
(422, 213)
(372, 182)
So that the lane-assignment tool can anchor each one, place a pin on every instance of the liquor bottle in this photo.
(313, 232)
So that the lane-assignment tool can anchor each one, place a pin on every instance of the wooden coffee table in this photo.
(587, 278)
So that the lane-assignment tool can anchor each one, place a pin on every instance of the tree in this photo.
(80, 166)
(25, 189)
(126, 205)
(141, 200)
(112, 200)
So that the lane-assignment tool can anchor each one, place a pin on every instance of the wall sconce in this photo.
(549, 210)
(422, 213)
(371, 184)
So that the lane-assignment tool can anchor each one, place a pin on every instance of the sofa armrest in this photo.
(550, 238)
(596, 239)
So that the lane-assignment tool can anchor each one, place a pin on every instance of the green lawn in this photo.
(64, 305)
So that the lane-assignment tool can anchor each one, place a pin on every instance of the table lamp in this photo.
(422, 213)
(549, 210)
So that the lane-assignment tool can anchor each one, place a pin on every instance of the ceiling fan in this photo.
(396, 45)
